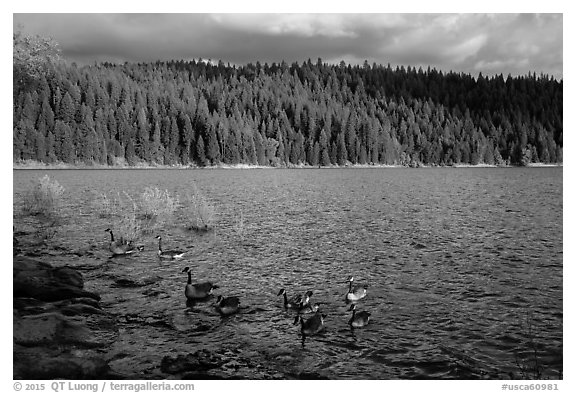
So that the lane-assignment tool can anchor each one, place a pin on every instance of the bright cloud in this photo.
(488, 43)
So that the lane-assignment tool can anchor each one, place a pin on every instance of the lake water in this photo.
(463, 267)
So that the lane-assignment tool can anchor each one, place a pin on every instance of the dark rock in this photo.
(51, 363)
(309, 375)
(126, 283)
(55, 328)
(201, 376)
(123, 282)
(41, 281)
(199, 361)
(58, 327)
(74, 306)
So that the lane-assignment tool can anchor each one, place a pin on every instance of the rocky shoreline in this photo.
(60, 330)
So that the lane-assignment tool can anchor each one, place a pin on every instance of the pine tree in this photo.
(142, 148)
(67, 110)
(341, 152)
(212, 147)
(200, 149)
(324, 149)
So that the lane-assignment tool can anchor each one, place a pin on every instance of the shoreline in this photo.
(36, 165)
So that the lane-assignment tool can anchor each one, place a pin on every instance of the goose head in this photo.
(186, 269)
(281, 292)
(350, 279)
(352, 307)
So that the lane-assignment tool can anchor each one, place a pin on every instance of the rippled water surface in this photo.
(463, 266)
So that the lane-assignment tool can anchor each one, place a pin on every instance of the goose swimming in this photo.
(119, 247)
(294, 302)
(355, 293)
(168, 254)
(313, 325)
(227, 305)
(199, 290)
(358, 319)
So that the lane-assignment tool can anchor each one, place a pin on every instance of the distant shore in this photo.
(36, 165)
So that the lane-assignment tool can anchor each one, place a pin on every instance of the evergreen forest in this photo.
(203, 113)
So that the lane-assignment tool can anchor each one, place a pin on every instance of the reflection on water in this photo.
(463, 267)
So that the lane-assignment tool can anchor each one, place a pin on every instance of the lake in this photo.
(463, 267)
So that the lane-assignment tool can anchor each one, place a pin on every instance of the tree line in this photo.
(205, 113)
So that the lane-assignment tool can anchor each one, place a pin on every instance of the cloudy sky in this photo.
(492, 44)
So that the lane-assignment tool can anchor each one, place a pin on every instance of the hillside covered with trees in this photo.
(201, 113)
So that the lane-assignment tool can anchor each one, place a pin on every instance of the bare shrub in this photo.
(44, 198)
(106, 205)
(122, 212)
(199, 214)
(46, 231)
(126, 223)
(159, 204)
(529, 366)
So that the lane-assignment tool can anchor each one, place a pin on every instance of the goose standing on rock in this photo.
(168, 254)
(119, 247)
(355, 293)
(227, 305)
(197, 291)
(358, 319)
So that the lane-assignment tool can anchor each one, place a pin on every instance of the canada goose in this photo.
(199, 290)
(313, 325)
(358, 319)
(169, 254)
(355, 293)
(227, 305)
(120, 247)
(294, 302)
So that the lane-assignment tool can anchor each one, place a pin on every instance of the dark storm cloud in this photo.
(500, 43)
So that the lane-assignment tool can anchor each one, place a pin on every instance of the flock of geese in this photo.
(315, 324)
(119, 247)
(230, 305)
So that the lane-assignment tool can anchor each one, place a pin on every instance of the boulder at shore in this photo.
(59, 329)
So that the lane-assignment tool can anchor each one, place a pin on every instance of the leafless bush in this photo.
(46, 231)
(199, 214)
(158, 204)
(44, 198)
(106, 205)
(530, 367)
(156, 207)
(122, 212)
(127, 224)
